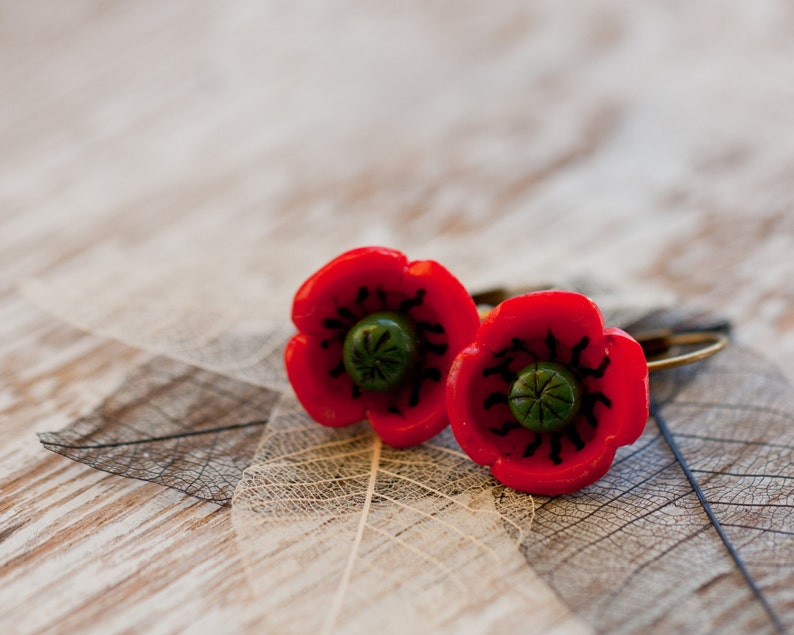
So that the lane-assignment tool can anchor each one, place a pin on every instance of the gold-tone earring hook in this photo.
(656, 346)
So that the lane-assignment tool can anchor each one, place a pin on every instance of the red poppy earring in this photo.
(377, 336)
(546, 394)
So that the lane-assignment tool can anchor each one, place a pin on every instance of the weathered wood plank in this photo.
(217, 155)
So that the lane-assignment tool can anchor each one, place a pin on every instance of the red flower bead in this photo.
(377, 335)
(545, 395)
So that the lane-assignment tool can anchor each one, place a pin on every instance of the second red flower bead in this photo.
(546, 394)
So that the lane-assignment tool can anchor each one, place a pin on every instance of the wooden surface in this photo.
(205, 155)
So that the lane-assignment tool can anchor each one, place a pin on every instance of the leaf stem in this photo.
(167, 437)
(344, 583)
(656, 413)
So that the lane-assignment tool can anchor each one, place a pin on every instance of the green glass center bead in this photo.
(545, 397)
(380, 351)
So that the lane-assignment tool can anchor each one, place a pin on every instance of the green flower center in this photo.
(380, 351)
(545, 397)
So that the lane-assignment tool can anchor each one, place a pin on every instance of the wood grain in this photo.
(220, 154)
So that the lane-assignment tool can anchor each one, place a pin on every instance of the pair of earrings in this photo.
(539, 390)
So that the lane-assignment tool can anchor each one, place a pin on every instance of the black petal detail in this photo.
(413, 400)
(493, 399)
(417, 300)
(596, 372)
(502, 370)
(556, 449)
(573, 436)
(507, 428)
(576, 352)
(338, 370)
(427, 327)
(533, 447)
(551, 343)
(589, 401)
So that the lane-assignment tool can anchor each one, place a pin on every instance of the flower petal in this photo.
(451, 301)
(415, 426)
(462, 406)
(329, 403)
(569, 477)
(628, 379)
(572, 316)
(338, 281)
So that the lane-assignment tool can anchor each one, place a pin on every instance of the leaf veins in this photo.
(172, 424)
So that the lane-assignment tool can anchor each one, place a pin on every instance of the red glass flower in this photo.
(377, 335)
(545, 395)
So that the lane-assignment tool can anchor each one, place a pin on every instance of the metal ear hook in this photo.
(658, 344)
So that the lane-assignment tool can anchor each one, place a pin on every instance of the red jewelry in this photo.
(377, 335)
(545, 394)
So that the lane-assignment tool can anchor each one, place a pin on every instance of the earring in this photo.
(546, 394)
(377, 335)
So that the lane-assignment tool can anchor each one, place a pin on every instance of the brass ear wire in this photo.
(656, 346)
